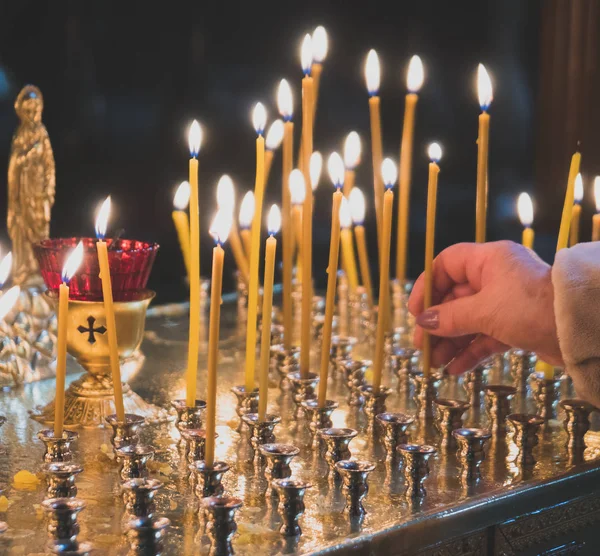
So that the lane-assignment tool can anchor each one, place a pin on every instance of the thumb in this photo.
(458, 317)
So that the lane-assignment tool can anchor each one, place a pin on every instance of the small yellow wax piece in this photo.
(4, 503)
(25, 480)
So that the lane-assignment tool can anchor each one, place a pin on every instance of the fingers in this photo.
(473, 354)
(458, 317)
(446, 349)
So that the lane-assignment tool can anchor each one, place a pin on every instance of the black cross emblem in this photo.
(91, 330)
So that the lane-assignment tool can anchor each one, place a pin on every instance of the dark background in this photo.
(122, 80)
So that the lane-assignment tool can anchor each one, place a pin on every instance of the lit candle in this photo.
(332, 267)
(69, 269)
(8, 300)
(357, 210)
(596, 217)
(352, 153)
(219, 229)
(5, 268)
(373, 78)
(245, 220)
(485, 93)
(182, 222)
(273, 225)
(226, 201)
(286, 109)
(307, 147)
(273, 140)
(576, 214)
(414, 81)
(194, 139)
(525, 210)
(259, 119)
(435, 154)
(320, 46)
(314, 169)
(109, 310)
(297, 189)
(565, 221)
(389, 174)
(347, 240)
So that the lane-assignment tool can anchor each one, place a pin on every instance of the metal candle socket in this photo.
(61, 479)
(525, 429)
(189, 417)
(303, 388)
(318, 417)
(450, 418)
(337, 442)
(354, 476)
(138, 495)
(125, 433)
(341, 351)
(471, 442)
(279, 457)
(404, 362)
(394, 426)
(416, 467)
(498, 398)
(261, 431)
(522, 364)
(195, 440)
(426, 387)
(284, 361)
(57, 449)
(375, 401)
(146, 535)
(354, 371)
(209, 478)
(577, 423)
(246, 403)
(291, 493)
(474, 382)
(221, 524)
(546, 395)
(63, 527)
(133, 461)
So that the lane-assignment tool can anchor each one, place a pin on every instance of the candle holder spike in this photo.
(133, 460)
(522, 365)
(375, 401)
(146, 535)
(57, 449)
(261, 431)
(221, 524)
(138, 496)
(291, 493)
(471, 444)
(63, 527)
(125, 433)
(188, 417)
(354, 371)
(337, 441)
(318, 417)
(498, 401)
(450, 417)
(576, 423)
(209, 478)
(61, 479)
(354, 476)
(416, 468)
(525, 429)
(394, 426)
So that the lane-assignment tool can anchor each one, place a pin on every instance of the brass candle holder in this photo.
(416, 468)
(354, 372)
(450, 418)
(576, 423)
(146, 535)
(545, 393)
(498, 401)
(394, 426)
(209, 478)
(261, 431)
(63, 527)
(426, 394)
(284, 361)
(125, 433)
(303, 388)
(341, 351)
(471, 444)
(337, 441)
(374, 400)
(404, 361)
(354, 476)
(57, 449)
(473, 382)
(189, 417)
(525, 429)
(246, 402)
(522, 365)
(133, 460)
(278, 457)
(291, 495)
(318, 417)
(60, 477)
(221, 524)
(138, 496)
(195, 440)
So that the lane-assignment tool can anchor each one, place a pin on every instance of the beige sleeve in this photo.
(576, 281)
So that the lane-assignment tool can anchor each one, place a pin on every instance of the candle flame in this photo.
(247, 210)
(285, 102)
(220, 226)
(372, 73)
(314, 169)
(415, 75)
(225, 193)
(435, 152)
(102, 218)
(484, 88)
(5, 268)
(274, 220)
(259, 118)
(8, 300)
(357, 206)
(306, 54)
(345, 215)
(597, 192)
(274, 135)
(297, 187)
(525, 209)
(320, 44)
(389, 173)
(195, 138)
(72, 263)
(335, 167)
(352, 150)
(578, 192)
(182, 196)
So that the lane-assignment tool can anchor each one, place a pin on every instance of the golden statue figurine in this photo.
(31, 185)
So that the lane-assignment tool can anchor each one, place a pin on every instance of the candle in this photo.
(273, 225)
(307, 147)
(435, 154)
(414, 81)
(314, 169)
(373, 78)
(348, 257)
(576, 214)
(286, 109)
(357, 210)
(273, 140)
(485, 93)
(226, 201)
(109, 310)
(389, 175)
(219, 229)
(182, 222)
(596, 217)
(352, 153)
(259, 120)
(194, 140)
(69, 269)
(8, 300)
(332, 267)
(565, 221)
(297, 189)
(525, 210)
(5, 268)
(245, 220)
(320, 46)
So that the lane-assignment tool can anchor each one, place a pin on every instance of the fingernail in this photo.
(429, 320)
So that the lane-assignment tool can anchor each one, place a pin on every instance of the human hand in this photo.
(486, 298)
